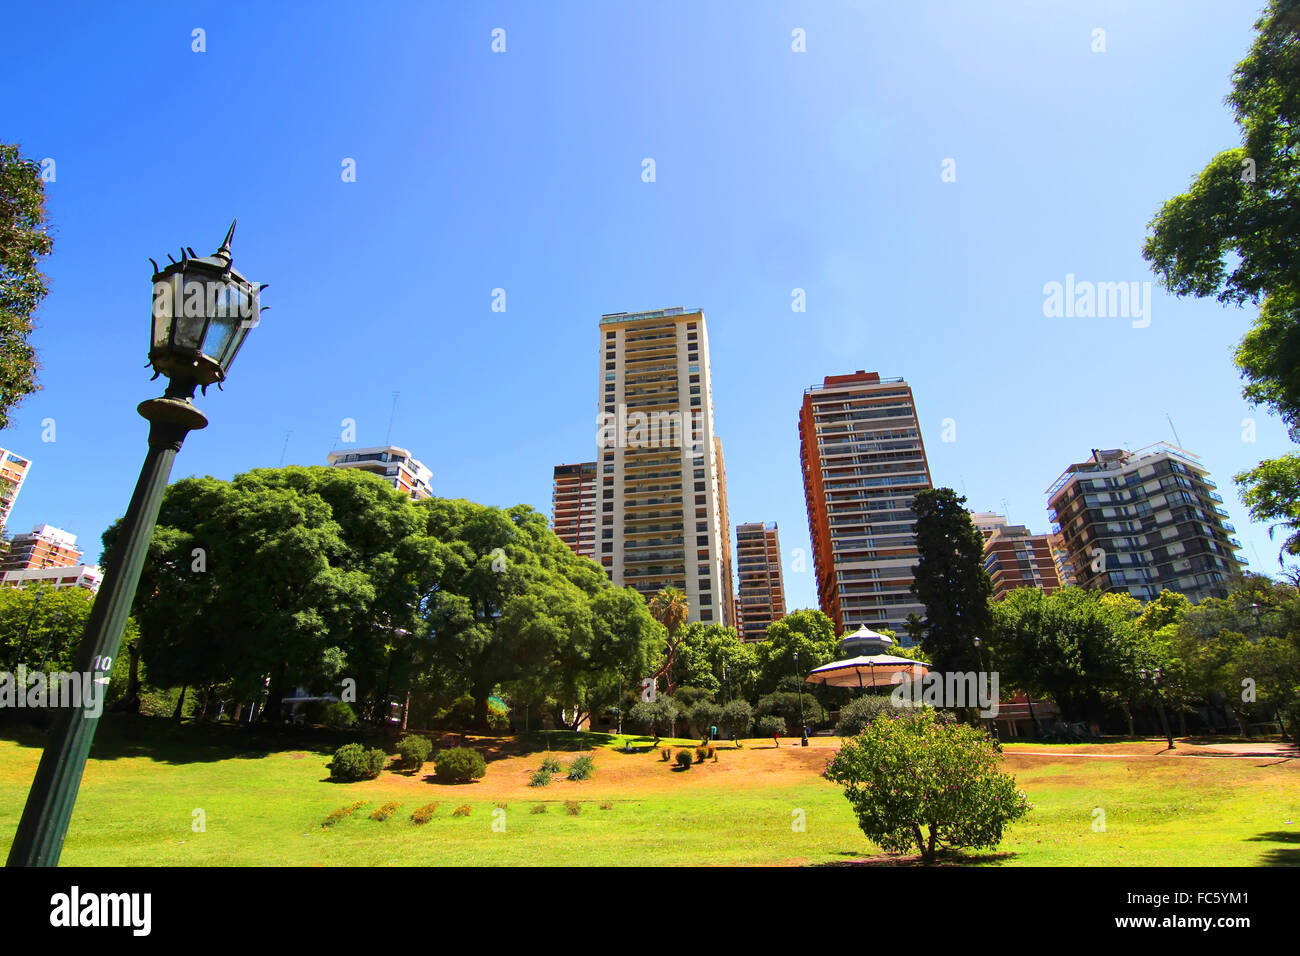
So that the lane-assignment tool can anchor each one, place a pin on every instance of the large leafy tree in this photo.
(713, 657)
(1235, 235)
(1075, 646)
(950, 580)
(24, 241)
(809, 634)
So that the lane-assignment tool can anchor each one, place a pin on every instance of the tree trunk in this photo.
(275, 696)
(130, 701)
(180, 705)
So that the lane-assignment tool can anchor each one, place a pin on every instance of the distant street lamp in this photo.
(202, 312)
(1155, 677)
(803, 727)
(979, 649)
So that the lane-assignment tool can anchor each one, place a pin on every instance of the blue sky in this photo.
(521, 170)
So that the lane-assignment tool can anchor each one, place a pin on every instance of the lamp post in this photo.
(1155, 677)
(979, 649)
(202, 312)
(803, 728)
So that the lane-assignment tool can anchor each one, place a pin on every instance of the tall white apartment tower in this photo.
(661, 502)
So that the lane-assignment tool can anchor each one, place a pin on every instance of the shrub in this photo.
(666, 754)
(861, 711)
(459, 765)
(917, 771)
(552, 765)
(538, 808)
(355, 762)
(581, 768)
(461, 811)
(501, 805)
(711, 753)
(342, 813)
(684, 759)
(573, 806)
(414, 749)
(700, 754)
(607, 805)
(424, 814)
(540, 778)
(338, 714)
(737, 718)
(383, 813)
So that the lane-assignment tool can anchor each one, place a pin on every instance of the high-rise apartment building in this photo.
(1014, 557)
(573, 507)
(662, 490)
(45, 546)
(13, 472)
(761, 599)
(395, 465)
(863, 463)
(1142, 521)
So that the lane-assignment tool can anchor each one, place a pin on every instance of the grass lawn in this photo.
(264, 799)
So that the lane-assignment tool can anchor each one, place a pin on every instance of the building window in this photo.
(706, 615)
(702, 540)
(699, 486)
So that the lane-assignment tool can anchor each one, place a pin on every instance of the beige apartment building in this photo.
(662, 489)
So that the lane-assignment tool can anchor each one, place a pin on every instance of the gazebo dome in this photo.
(865, 642)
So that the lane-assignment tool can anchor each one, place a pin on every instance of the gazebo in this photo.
(866, 663)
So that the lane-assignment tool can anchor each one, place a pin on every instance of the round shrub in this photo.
(459, 765)
(684, 759)
(861, 711)
(355, 762)
(413, 749)
(770, 724)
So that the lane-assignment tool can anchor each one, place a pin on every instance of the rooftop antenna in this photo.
(1006, 511)
(1177, 440)
(285, 449)
(389, 434)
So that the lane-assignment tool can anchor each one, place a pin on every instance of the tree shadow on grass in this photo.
(1280, 856)
(943, 858)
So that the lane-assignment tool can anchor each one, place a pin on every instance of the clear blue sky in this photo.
(522, 170)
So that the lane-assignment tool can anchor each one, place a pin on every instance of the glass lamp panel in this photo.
(165, 295)
(221, 337)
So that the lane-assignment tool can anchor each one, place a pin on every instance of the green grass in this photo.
(266, 806)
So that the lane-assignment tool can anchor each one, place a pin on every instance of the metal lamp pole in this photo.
(803, 728)
(191, 350)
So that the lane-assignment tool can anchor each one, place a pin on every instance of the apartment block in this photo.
(395, 465)
(761, 598)
(45, 546)
(573, 507)
(13, 472)
(662, 503)
(863, 463)
(1015, 557)
(86, 576)
(1142, 521)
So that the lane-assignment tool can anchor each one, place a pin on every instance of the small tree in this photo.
(657, 716)
(769, 725)
(918, 782)
(861, 711)
(737, 718)
(705, 715)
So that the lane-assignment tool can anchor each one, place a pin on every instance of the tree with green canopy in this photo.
(24, 241)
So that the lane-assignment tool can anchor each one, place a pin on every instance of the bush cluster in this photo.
(356, 762)
(459, 765)
(414, 750)
(552, 765)
(383, 813)
(573, 806)
(538, 808)
(461, 811)
(424, 814)
(684, 759)
(342, 813)
(540, 778)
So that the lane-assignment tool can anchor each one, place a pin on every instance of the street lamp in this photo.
(1155, 676)
(979, 650)
(803, 727)
(202, 312)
